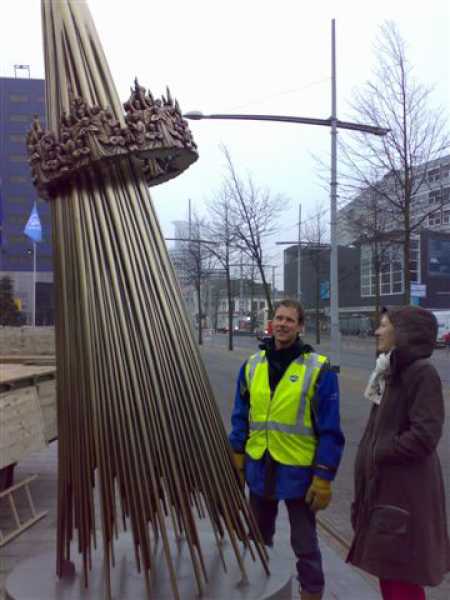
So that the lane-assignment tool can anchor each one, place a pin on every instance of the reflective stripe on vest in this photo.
(294, 450)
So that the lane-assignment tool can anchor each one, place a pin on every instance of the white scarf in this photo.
(377, 380)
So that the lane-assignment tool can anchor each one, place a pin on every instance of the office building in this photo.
(20, 100)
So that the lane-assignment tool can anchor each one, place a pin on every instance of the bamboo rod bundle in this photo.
(139, 430)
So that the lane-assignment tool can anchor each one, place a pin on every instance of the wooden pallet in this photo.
(21, 526)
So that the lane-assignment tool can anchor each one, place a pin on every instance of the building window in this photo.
(433, 174)
(18, 200)
(438, 173)
(434, 197)
(12, 219)
(446, 195)
(18, 98)
(414, 261)
(17, 139)
(434, 219)
(13, 240)
(45, 263)
(19, 261)
(45, 218)
(440, 196)
(20, 118)
(391, 269)
(367, 274)
(385, 279)
(439, 257)
(446, 217)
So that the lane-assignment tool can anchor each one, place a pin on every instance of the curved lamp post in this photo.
(196, 115)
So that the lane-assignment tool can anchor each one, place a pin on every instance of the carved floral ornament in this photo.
(155, 134)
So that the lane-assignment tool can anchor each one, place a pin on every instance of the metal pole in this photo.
(197, 116)
(273, 284)
(299, 257)
(241, 290)
(191, 296)
(190, 218)
(334, 291)
(33, 317)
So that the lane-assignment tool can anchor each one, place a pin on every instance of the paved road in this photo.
(223, 366)
(357, 353)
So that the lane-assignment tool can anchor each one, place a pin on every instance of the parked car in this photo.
(446, 339)
(443, 319)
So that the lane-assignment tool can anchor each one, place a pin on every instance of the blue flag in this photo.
(33, 228)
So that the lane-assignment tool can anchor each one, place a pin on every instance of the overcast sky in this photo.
(246, 56)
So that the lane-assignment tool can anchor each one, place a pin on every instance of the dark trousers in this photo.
(400, 590)
(303, 537)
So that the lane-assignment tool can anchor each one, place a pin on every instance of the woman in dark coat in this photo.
(399, 514)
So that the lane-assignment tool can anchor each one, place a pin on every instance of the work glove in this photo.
(239, 463)
(318, 495)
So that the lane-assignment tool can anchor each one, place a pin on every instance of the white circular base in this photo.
(35, 578)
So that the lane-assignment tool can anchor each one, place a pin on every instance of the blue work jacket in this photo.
(292, 481)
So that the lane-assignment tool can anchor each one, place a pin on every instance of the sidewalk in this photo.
(343, 582)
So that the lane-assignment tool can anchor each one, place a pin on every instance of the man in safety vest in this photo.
(287, 440)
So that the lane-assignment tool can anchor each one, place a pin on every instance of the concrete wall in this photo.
(26, 341)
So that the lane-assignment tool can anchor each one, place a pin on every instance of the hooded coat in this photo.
(398, 515)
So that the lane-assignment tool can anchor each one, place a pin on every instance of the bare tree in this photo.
(222, 230)
(195, 264)
(370, 221)
(393, 167)
(255, 213)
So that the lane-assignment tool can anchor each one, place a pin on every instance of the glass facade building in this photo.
(20, 100)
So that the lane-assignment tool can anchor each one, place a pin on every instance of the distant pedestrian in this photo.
(399, 515)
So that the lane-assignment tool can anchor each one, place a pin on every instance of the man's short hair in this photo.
(288, 303)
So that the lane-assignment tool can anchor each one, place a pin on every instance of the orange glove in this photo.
(239, 462)
(318, 495)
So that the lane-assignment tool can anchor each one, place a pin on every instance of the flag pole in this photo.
(34, 286)
(33, 230)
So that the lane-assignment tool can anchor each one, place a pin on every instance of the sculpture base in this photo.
(35, 579)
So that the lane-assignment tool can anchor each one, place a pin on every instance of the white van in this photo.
(443, 319)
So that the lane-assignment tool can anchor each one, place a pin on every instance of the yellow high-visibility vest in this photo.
(281, 423)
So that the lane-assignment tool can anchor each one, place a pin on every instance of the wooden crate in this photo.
(47, 398)
(22, 429)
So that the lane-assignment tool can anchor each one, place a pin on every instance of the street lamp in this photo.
(197, 115)
(334, 124)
